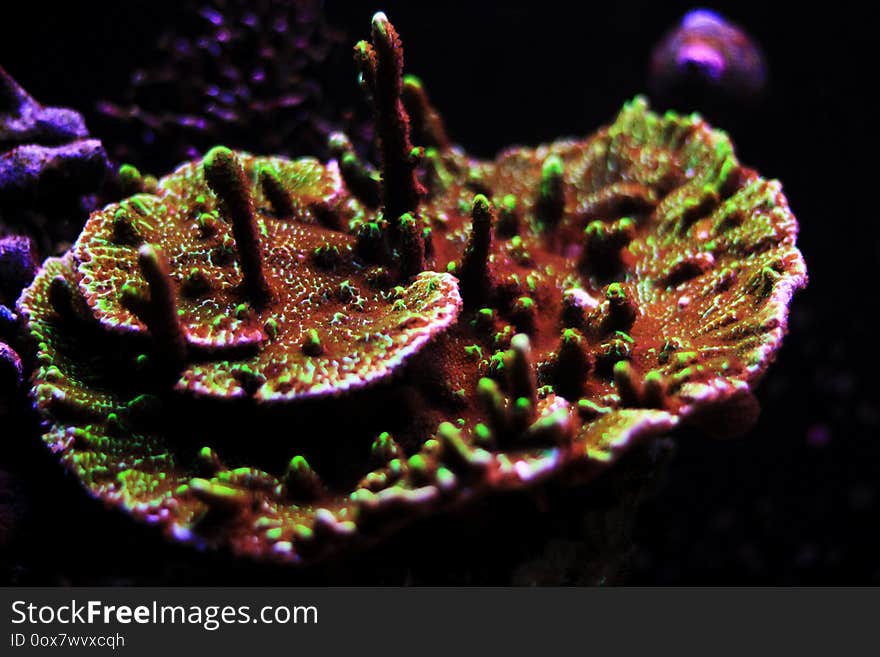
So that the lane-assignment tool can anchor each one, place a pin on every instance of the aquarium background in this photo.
(795, 501)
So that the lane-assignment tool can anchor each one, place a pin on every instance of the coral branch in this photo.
(425, 122)
(301, 481)
(551, 194)
(362, 181)
(159, 311)
(273, 188)
(381, 67)
(474, 274)
(226, 178)
(412, 245)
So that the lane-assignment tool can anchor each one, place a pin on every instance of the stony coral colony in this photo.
(288, 358)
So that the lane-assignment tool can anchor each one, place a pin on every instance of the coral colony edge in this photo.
(288, 359)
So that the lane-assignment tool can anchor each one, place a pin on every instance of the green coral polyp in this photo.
(324, 351)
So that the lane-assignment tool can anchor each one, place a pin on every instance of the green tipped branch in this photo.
(474, 275)
(617, 313)
(301, 481)
(225, 176)
(622, 309)
(425, 121)
(627, 382)
(550, 204)
(573, 364)
(124, 231)
(276, 193)
(648, 391)
(411, 245)
(494, 404)
(223, 500)
(508, 217)
(521, 374)
(576, 304)
(381, 73)
(602, 243)
(555, 428)
(159, 310)
(458, 453)
(130, 180)
(372, 242)
(361, 180)
(208, 462)
(385, 449)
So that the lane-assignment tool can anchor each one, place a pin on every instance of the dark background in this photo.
(796, 500)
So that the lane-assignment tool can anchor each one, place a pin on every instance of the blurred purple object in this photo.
(708, 51)
(818, 435)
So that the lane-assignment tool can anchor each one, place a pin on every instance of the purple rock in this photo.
(18, 265)
(27, 170)
(11, 370)
(25, 120)
(50, 175)
(8, 321)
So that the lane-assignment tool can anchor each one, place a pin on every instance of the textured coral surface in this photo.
(288, 358)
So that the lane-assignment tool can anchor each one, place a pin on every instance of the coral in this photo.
(242, 72)
(323, 354)
(49, 169)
